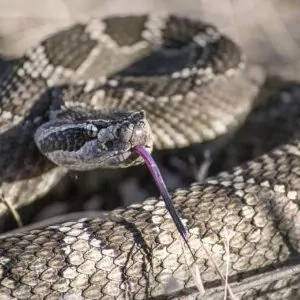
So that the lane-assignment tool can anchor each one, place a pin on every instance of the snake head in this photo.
(85, 141)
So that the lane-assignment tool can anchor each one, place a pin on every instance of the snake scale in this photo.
(193, 85)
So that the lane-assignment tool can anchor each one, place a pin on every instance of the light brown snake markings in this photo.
(88, 94)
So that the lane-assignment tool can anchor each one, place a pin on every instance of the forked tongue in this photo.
(152, 166)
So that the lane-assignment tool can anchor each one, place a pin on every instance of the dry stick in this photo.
(218, 270)
(152, 166)
(228, 234)
(12, 210)
(255, 281)
(194, 271)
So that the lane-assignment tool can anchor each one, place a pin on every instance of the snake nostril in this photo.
(118, 132)
(109, 144)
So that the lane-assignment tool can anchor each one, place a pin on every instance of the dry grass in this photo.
(195, 271)
(12, 210)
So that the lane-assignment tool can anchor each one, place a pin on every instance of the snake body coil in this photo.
(190, 81)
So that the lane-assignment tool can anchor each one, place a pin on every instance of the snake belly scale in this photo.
(190, 81)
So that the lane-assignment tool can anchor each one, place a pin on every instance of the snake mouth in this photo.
(126, 156)
(123, 157)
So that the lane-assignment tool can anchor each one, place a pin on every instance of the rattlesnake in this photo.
(192, 82)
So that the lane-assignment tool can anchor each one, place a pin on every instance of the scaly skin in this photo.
(136, 252)
(209, 82)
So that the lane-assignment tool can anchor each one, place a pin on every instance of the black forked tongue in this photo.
(152, 166)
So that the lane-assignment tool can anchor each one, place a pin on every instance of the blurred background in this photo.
(267, 30)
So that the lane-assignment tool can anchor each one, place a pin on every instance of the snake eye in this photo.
(92, 130)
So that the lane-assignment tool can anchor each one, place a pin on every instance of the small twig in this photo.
(218, 270)
(256, 281)
(228, 234)
(202, 172)
(195, 271)
(12, 210)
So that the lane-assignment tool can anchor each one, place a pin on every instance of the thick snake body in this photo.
(129, 74)
(191, 82)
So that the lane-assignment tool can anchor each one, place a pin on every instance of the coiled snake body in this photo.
(190, 81)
